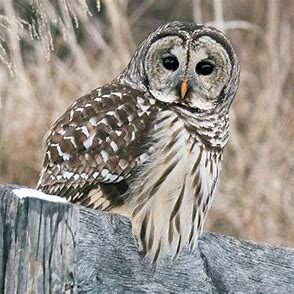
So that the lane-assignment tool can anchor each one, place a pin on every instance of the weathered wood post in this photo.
(37, 245)
(50, 247)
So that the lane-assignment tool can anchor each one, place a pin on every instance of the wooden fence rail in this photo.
(56, 247)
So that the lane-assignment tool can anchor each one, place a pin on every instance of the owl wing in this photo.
(94, 146)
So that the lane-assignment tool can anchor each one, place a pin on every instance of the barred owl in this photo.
(149, 144)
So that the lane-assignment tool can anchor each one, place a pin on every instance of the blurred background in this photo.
(51, 52)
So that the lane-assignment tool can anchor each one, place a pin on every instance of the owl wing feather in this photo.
(92, 149)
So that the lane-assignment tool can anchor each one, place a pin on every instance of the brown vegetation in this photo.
(51, 54)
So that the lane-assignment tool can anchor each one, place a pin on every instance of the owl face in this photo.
(191, 72)
(188, 64)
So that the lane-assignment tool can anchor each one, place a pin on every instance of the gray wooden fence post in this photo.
(37, 245)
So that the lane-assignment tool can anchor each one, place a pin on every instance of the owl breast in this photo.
(174, 188)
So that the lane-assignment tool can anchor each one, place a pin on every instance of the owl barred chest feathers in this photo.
(149, 144)
(175, 187)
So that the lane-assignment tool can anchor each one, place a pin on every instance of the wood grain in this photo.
(50, 247)
(37, 245)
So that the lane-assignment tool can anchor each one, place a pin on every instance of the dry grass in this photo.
(53, 53)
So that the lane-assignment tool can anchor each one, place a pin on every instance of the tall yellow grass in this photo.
(52, 53)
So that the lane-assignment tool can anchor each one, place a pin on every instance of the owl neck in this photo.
(210, 128)
(129, 77)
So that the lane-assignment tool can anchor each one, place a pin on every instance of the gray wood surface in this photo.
(107, 260)
(37, 245)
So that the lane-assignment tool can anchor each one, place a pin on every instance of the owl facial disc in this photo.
(186, 64)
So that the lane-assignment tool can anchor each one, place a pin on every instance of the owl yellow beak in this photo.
(184, 88)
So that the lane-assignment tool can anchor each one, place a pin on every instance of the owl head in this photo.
(187, 65)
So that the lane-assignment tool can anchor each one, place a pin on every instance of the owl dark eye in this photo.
(170, 63)
(204, 68)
